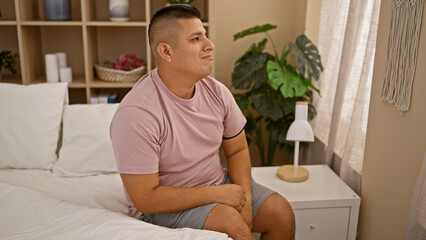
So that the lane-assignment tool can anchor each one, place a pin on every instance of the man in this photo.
(166, 134)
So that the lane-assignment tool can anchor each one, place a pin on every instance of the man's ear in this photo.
(164, 51)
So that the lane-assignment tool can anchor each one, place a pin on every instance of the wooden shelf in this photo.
(16, 79)
(51, 23)
(87, 39)
(116, 24)
(78, 81)
(104, 84)
(7, 23)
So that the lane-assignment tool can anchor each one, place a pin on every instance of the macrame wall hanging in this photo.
(401, 55)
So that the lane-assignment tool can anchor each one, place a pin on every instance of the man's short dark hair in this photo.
(171, 13)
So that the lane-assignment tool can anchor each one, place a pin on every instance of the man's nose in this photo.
(210, 46)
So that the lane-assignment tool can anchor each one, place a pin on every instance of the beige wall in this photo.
(312, 22)
(394, 149)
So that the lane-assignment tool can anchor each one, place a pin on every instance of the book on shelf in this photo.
(104, 98)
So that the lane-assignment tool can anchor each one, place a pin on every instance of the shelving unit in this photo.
(87, 39)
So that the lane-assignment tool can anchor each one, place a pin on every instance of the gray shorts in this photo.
(195, 217)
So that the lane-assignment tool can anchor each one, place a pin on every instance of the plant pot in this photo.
(119, 10)
(57, 10)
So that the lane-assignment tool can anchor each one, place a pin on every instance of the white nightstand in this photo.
(324, 206)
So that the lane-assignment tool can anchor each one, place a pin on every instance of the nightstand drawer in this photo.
(322, 223)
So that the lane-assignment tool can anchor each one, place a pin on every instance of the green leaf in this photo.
(275, 74)
(307, 57)
(278, 129)
(242, 101)
(284, 54)
(8, 61)
(309, 84)
(254, 48)
(250, 71)
(266, 103)
(254, 30)
(259, 47)
(289, 83)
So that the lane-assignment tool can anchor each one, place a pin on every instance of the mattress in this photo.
(30, 214)
(99, 191)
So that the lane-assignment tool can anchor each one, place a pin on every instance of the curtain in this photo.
(416, 224)
(347, 40)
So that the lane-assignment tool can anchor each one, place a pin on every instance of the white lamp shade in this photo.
(300, 131)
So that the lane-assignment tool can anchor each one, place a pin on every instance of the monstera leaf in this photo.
(307, 57)
(288, 82)
(254, 30)
(267, 104)
(242, 101)
(250, 70)
(278, 129)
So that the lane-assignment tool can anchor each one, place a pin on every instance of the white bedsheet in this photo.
(30, 214)
(99, 191)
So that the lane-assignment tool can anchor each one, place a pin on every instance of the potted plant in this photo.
(271, 86)
(8, 61)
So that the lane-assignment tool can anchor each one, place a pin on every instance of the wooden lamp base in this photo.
(289, 174)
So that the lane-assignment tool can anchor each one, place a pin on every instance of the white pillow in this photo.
(30, 118)
(86, 145)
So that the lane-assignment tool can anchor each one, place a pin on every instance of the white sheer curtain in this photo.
(416, 225)
(347, 40)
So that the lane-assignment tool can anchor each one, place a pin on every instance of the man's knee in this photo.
(226, 219)
(281, 211)
(275, 217)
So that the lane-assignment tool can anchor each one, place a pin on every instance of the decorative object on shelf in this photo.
(299, 131)
(128, 62)
(56, 68)
(8, 61)
(57, 10)
(401, 54)
(119, 10)
(272, 86)
(62, 59)
(127, 68)
(52, 69)
(179, 1)
(109, 98)
(65, 74)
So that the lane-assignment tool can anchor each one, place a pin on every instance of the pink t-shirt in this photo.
(154, 130)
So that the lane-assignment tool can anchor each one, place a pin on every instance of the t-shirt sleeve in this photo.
(135, 140)
(234, 120)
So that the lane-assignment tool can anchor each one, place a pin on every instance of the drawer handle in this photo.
(312, 227)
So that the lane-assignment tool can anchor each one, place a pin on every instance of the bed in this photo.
(57, 171)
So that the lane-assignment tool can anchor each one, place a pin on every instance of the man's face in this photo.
(192, 51)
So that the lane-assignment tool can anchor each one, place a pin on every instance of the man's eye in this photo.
(196, 39)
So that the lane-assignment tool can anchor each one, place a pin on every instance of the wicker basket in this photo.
(114, 75)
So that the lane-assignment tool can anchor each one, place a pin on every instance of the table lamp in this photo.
(299, 131)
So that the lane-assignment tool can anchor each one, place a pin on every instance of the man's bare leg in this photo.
(226, 219)
(275, 219)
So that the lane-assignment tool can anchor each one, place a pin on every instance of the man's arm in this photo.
(148, 196)
(239, 169)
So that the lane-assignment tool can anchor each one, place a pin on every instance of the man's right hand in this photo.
(232, 195)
